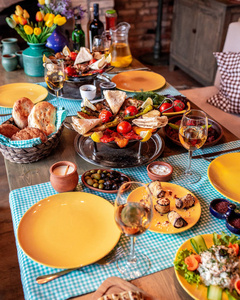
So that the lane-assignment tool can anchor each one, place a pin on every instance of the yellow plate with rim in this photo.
(139, 81)
(160, 223)
(10, 93)
(200, 292)
(223, 173)
(68, 230)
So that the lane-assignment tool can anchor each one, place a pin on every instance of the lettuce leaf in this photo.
(190, 276)
(225, 239)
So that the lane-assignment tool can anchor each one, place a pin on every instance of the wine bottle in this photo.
(78, 35)
(96, 26)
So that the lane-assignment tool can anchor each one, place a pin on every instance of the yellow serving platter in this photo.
(10, 93)
(139, 81)
(68, 230)
(223, 173)
(200, 292)
(160, 223)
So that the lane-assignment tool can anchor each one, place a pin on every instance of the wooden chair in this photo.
(199, 96)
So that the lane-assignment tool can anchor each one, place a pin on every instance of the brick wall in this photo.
(141, 15)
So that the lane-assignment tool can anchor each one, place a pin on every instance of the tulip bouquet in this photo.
(35, 32)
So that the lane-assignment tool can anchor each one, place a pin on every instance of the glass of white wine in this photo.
(133, 215)
(55, 77)
(193, 133)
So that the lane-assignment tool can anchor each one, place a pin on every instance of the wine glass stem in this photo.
(188, 169)
(132, 257)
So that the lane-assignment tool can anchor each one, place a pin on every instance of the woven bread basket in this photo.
(32, 154)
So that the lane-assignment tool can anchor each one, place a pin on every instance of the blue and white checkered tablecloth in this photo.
(160, 248)
(73, 106)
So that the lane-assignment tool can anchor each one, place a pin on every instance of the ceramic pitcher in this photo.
(119, 49)
(9, 46)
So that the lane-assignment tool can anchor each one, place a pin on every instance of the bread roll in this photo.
(8, 130)
(21, 111)
(43, 116)
(29, 133)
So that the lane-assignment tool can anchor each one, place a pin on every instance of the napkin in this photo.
(60, 117)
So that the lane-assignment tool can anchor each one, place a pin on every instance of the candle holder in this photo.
(63, 176)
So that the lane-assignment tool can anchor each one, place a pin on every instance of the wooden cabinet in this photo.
(199, 29)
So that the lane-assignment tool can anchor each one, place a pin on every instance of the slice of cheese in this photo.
(114, 99)
(83, 56)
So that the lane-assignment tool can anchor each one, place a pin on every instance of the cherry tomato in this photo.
(73, 55)
(178, 105)
(105, 115)
(166, 105)
(130, 111)
(70, 71)
(124, 127)
(92, 61)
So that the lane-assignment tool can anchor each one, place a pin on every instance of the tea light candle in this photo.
(64, 176)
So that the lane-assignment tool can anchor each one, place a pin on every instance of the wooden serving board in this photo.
(115, 285)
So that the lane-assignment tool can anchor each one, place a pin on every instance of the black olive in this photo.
(115, 174)
(108, 187)
(223, 252)
(111, 176)
(103, 175)
(123, 178)
(114, 186)
(107, 182)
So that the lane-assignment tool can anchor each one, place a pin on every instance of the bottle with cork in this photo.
(96, 26)
(78, 35)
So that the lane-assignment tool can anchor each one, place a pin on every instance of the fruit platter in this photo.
(82, 64)
(215, 131)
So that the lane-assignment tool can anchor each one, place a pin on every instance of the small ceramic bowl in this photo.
(63, 176)
(88, 91)
(164, 168)
(233, 222)
(219, 207)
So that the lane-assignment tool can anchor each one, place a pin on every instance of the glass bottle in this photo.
(111, 18)
(78, 35)
(96, 26)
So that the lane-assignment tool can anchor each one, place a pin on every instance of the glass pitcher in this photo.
(119, 49)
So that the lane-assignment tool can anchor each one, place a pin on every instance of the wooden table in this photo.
(161, 285)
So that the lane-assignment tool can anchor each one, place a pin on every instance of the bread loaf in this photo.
(21, 111)
(43, 116)
(8, 130)
(29, 133)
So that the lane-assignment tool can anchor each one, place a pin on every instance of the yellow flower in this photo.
(19, 10)
(55, 19)
(26, 14)
(15, 18)
(51, 17)
(60, 21)
(49, 23)
(22, 20)
(28, 29)
(41, 2)
(46, 17)
(37, 31)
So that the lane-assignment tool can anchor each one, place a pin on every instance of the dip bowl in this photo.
(159, 170)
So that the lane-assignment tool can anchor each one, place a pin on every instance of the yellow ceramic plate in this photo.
(223, 173)
(199, 293)
(139, 81)
(160, 223)
(9, 93)
(68, 230)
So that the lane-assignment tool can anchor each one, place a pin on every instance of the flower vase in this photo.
(33, 59)
(57, 40)
(9, 46)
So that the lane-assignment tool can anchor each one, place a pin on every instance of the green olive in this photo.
(88, 174)
(104, 171)
(90, 181)
(87, 177)
(101, 181)
(95, 180)
(101, 186)
(92, 171)
(96, 176)
(99, 171)
(95, 185)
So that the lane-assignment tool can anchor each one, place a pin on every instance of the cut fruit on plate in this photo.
(96, 136)
(146, 135)
(147, 102)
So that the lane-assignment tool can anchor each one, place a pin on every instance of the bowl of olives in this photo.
(105, 181)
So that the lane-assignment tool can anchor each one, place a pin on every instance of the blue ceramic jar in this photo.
(9, 62)
(10, 46)
(33, 59)
(57, 40)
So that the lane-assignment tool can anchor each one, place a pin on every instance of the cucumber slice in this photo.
(198, 244)
(214, 292)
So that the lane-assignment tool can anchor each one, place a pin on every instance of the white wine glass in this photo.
(193, 133)
(55, 77)
(133, 215)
